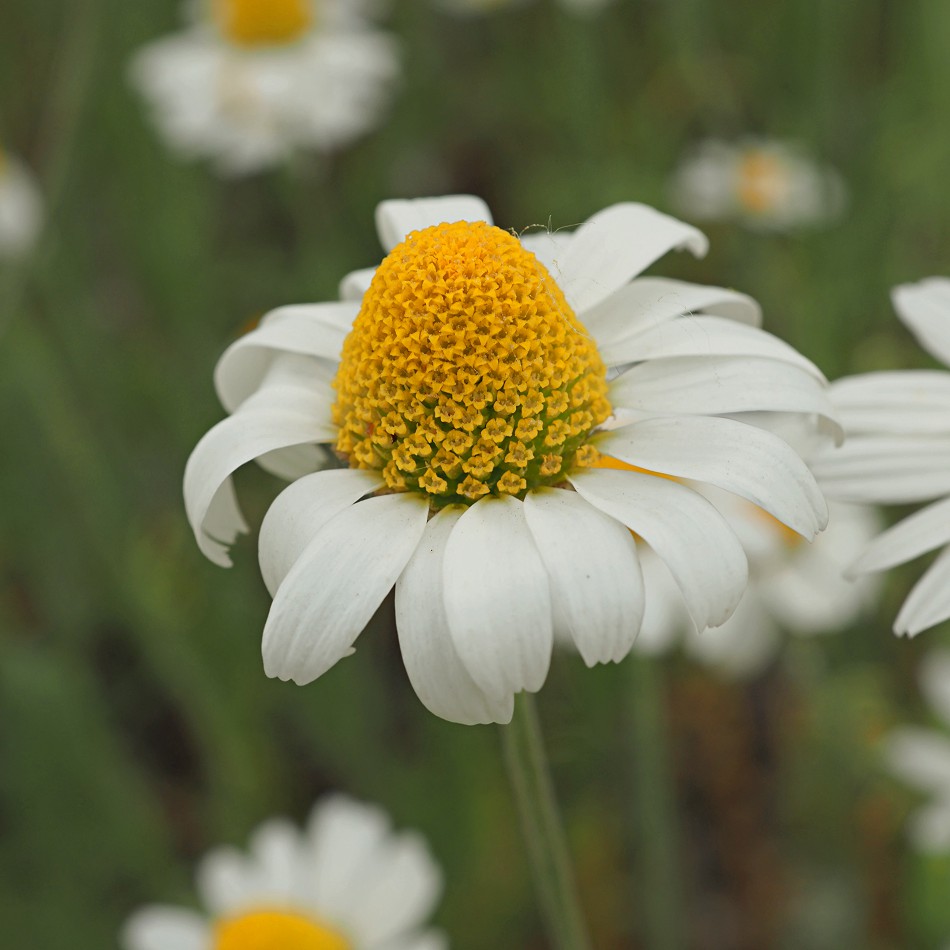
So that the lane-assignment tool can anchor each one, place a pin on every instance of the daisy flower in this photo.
(793, 586)
(466, 385)
(764, 184)
(921, 757)
(21, 207)
(898, 452)
(345, 882)
(249, 82)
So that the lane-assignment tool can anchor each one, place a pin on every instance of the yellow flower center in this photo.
(263, 22)
(762, 178)
(275, 930)
(466, 373)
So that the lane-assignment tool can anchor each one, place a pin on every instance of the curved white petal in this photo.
(337, 583)
(928, 603)
(739, 458)
(693, 539)
(497, 598)
(650, 302)
(897, 402)
(356, 283)
(315, 330)
(920, 532)
(301, 510)
(592, 565)
(935, 682)
(165, 928)
(665, 618)
(615, 245)
(275, 850)
(227, 880)
(704, 336)
(230, 444)
(435, 669)
(396, 217)
(718, 386)
(925, 309)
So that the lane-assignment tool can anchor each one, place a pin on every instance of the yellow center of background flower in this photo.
(466, 373)
(762, 179)
(263, 22)
(274, 930)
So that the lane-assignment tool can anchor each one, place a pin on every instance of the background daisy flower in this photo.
(21, 207)
(760, 182)
(344, 882)
(897, 451)
(494, 474)
(249, 82)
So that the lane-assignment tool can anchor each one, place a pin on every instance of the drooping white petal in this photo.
(925, 309)
(592, 565)
(356, 283)
(649, 302)
(920, 532)
(229, 445)
(899, 402)
(165, 928)
(704, 336)
(928, 602)
(497, 598)
(693, 539)
(920, 757)
(935, 682)
(665, 618)
(315, 330)
(432, 662)
(301, 510)
(615, 245)
(337, 583)
(716, 387)
(396, 217)
(739, 458)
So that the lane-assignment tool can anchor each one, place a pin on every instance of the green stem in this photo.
(541, 826)
(659, 877)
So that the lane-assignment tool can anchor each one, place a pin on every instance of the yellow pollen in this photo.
(466, 372)
(762, 179)
(275, 930)
(262, 22)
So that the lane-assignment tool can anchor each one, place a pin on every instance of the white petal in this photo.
(227, 880)
(429, 940)
(704, 336)
(935, 682)
(336, 585)
(920, 757)
(928, 603)
(276, 849)
(650, 302)
(497, 598)
(315, 330)
(596, 584)
(229, 445)
(899, 402)
(925, 309)
(356, 283)
(718, 386)
(693, 539)
(397, 217)
(301, 510)
(665, 617)
(739, 458)
(615, 245)
(922, 531)
(434, 667)
(166, 928)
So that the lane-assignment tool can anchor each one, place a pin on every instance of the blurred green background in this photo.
(136, 725)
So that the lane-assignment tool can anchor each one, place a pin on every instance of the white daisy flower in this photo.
(345, 882)
(921, 757)
(21, 207)
(898, 452)
(763, 184)
(465, 384)
(249, 82)
(793, 586)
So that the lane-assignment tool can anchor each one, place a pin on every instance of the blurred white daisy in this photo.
(250, 82)
(761, 183)
(793, 586)
(21, 207)
(898, 452)
(921, 757)
(465, 384)
(345, 882)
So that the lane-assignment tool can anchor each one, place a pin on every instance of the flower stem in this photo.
(541, 826)
(659, 882)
